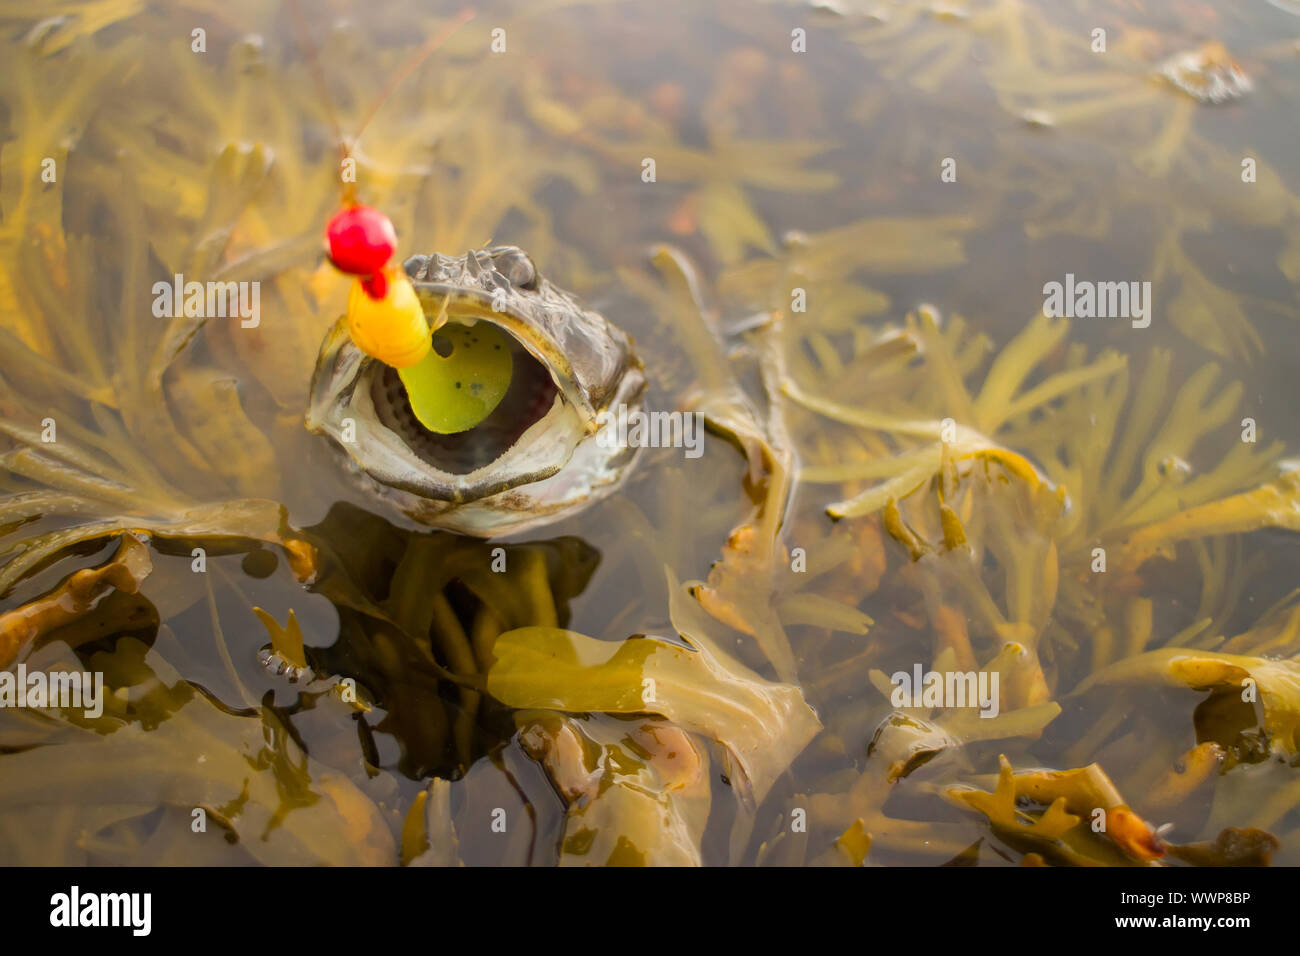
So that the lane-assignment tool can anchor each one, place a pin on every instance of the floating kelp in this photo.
(973, 421)
(1207, 74)
(73, 598)
(1233, 847)
(1274, 684)
(904, 749)
(429, 836)
(285, 654)
(638, 790)
(762, 725)
(245, 773)
(1002, 538)
(1059, 834)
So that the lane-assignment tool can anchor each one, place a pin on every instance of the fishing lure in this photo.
(384, 315)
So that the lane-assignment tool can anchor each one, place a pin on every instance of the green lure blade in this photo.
(462, 379)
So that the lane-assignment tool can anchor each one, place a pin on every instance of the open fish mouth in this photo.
(538, 456)
(531, 396)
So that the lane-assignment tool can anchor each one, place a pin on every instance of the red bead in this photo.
(376, 286)
(360, 240)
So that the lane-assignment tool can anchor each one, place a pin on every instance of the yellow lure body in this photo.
(463, 378)
(392, 329)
